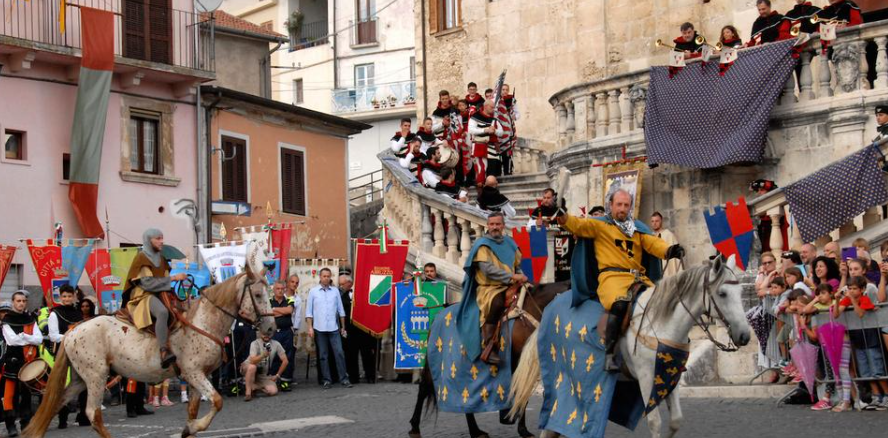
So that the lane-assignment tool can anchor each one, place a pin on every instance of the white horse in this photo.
(669, 312)
(105, 343)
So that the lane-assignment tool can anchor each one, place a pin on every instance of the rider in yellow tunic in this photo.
(618, 250)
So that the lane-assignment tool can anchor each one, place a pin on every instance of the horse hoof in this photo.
(186, 433)
(414, 435)
(482, 435)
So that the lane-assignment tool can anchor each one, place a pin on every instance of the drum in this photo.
(35, 375)
(449, 157)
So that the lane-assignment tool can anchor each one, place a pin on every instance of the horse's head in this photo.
(255, 305)
(725, 291)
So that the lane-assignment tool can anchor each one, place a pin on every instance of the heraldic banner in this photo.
(98, 270)
(417, 306)
(200, 273)
(6, 255)
(308, 271)
(534, 252)
(224, 260)
(374, 276)
(121, 259)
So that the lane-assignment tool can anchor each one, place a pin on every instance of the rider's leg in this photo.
(488, 331)
(161, 318)
(613, 329)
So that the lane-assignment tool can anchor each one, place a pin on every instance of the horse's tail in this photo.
(525, 377)
(53, 397)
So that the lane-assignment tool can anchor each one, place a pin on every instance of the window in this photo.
(234, 169)
(412, 68)
(293, 181)
(144, 129)
(66, 167)
(268, 25)
(363, 75)
(298, 96)
(444, 15)
(365, 26)
(14, 281)
(15, 145)
(148, 30)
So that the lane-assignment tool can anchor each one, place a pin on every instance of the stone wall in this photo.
(547, 45)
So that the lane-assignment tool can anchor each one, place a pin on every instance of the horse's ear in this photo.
(717, 265)
(732, 262)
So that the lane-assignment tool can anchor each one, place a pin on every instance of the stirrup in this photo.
(167, 358)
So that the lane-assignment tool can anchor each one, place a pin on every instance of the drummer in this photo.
(22, 339)
(61, 319)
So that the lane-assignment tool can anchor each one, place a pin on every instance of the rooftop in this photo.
(227, 22)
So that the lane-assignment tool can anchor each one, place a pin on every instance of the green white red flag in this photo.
(375, 273)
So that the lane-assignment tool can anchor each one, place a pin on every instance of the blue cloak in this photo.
(468, 315)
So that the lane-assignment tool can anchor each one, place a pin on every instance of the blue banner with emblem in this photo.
(200, 273)
(464, 385)
(669, 366)
(418, 302)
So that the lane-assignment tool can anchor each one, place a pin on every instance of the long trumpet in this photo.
(701, 40)
(815, 19)
(660, 43)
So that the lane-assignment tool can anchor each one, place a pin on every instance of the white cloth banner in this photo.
(224, 261)
(728, 55)
(309, 274)
(676, 59)
(259, 236)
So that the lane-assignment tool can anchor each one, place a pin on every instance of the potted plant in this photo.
(409, 100)
(392, 100)
(294, 24)
(375, 103)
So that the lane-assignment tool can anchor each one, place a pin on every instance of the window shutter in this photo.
(134, 29)
(234, 170)
(293, 181)
(160, 31)
(458, 12)
(433, 15)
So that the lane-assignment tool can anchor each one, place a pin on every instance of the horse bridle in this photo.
(244, 292)
(707, 311)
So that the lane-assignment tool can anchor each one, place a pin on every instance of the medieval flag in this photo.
(120, 260)
(415, 310)
(374, 276)
(47, 259)
(74, 259)
(534, 252)
(7, 253)
(676, 106)
(731, 231)
(848, 187)
(224, 260)
(91, 108)
(98, 270)
(281, 238)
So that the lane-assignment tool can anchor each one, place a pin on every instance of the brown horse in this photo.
(539, 298)
(102, 344)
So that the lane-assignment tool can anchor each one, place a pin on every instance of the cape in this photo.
(426, 136)
(584, 282)
(768, 26)
(139, 262)
(491, 198)
(17, 321)
(468, 315)
(67, 315)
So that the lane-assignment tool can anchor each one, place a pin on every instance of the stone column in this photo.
(625, 110)
(589, 104)
(806, 81)
(439, 249)
(795, 237)
(614, 110)
(571, 122)
(788, 95)
(426, 239)
(581, 109)
(776, 240)
(561, 114)
(881, 63)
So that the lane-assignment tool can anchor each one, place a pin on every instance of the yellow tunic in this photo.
(138, 303)
(614, 250)
(489, 288)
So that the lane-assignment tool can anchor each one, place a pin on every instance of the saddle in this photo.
(172, 304)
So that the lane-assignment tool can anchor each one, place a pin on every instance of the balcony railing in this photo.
(363, 32)
(375, 97)
(142, 32)
(310, 35)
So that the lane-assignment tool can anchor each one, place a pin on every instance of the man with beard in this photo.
(620, 243)
(769, 27)
(494, 265)
(22, 339)
(687, 41)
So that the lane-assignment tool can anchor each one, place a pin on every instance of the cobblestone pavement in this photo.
(383, 410)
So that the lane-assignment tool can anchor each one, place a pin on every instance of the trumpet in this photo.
(701, 40)
(815, 19)
(796, 29)
(660, 43)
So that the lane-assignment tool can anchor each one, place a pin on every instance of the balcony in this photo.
(310, 35)
(395, 97)
(363, 33)
(144, 33)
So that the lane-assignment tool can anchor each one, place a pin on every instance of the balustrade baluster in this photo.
(601, 123)
(806, 79)
(561, 114)
(614, 110)
(590, 116)
(864, 67)
(625, 110)
(776, 240)
(788, 95)
(881, 63)
(426, 227)
(825, 78)
(452, 239)
(571, 122)
(465, 241)
(439, 248)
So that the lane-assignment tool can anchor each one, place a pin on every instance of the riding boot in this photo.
(167, 357)
(488, 332)
(613, 330)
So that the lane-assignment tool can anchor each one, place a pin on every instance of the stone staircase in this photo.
(523, 190)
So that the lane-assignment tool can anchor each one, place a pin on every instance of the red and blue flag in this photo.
(534, 252)
(731, 230)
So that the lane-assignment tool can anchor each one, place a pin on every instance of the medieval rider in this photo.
(619, 244)
(148, 276)
(494, 264)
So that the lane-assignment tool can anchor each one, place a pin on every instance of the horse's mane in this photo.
(668, 290)
(225, 294)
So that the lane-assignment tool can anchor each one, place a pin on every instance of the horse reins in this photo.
(707, 312)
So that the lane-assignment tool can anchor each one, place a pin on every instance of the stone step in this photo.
(524, 177)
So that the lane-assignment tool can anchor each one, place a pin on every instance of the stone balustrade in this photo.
(526, 159)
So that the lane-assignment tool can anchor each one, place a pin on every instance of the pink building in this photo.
(149, 163)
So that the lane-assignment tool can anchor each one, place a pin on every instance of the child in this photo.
(858, 268)
(784, 331)
(867, 350)
(795, 280)
(821, 303)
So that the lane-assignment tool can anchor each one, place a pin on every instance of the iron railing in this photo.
(363, 32)
(366, 188)
(141, 31)
(374, 97)
(310, 35)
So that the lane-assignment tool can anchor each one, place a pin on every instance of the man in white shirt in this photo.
(323, 308)
(256, 377)
(22, 339)
(672, 266)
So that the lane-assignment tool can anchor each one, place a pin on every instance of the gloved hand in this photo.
(675, 252)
